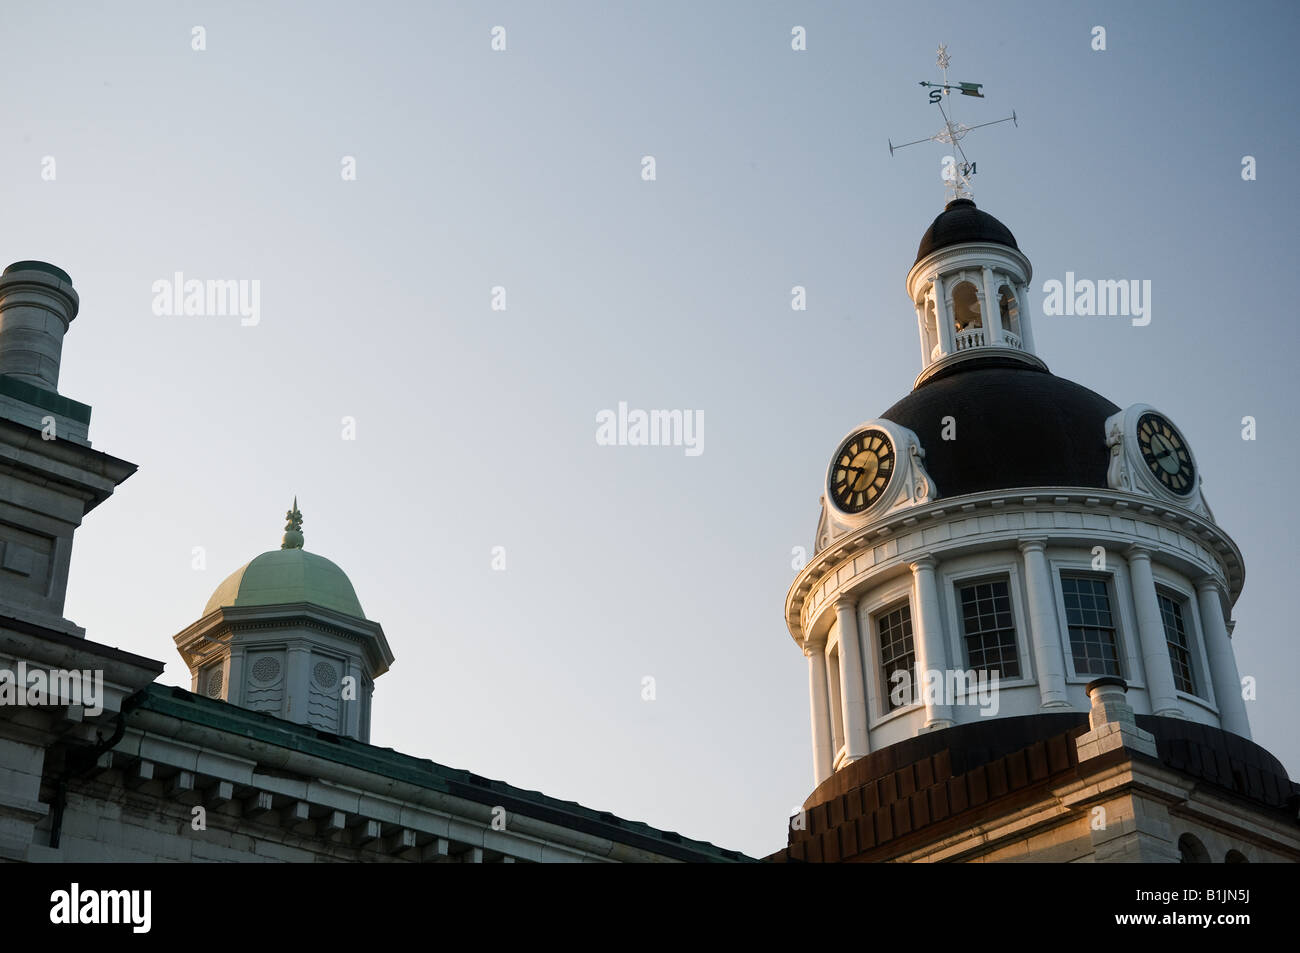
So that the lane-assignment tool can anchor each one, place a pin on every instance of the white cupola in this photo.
(970, 288)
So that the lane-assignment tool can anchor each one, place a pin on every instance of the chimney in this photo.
(37, 303)
(1111, 721)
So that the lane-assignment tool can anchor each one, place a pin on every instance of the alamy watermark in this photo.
(947, 687)
(213, 298)
(80, 906)
(38, 687)
(651, 428)
(1112, 298)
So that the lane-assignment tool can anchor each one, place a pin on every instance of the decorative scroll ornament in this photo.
(1117, 476)
(909, 485)
(1128, 471)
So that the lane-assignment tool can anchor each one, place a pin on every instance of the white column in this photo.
(853, 695)
(1151, 633)
(823, 756)
(1026, 324)
(926, 346)
(992, 313)
(942, 319)
(931, 651)
(1044, 629)
(1223, 662)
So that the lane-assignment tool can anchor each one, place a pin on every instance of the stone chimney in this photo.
(37, 303)
(52, 477)
(1111, 721)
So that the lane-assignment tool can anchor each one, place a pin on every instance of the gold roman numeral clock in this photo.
(1165, 453)
(861, 470)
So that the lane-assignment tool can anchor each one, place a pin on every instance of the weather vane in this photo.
(956, 175)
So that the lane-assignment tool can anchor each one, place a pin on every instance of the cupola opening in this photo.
(1009, 312)
(965, 309)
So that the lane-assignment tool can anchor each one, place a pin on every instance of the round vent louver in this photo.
(325, 675)
(266, 669)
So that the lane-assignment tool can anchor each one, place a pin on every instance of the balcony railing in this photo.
(976, 337)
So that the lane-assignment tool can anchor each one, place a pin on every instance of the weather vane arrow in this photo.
(956, 176)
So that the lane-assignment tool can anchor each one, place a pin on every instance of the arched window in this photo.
(926, 306)
(965, 307)
(1235, 857)
(1192, 851)
(932, 339)
(1009, 309)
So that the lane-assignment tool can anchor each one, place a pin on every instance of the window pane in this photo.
(988, 628)
(1180, 656)
(1092, 628)
(897, 654)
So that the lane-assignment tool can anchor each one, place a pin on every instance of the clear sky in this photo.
(476, 428)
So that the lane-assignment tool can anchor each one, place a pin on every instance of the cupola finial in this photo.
(293, 528)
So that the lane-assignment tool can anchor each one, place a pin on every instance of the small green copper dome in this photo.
(287, 575)
(284, 576)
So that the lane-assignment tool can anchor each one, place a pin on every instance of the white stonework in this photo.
(914, 546)
(980, 535)
(987, 269)
(1040, 590)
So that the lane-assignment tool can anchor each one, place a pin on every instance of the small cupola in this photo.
(970, 288)
(284, 634)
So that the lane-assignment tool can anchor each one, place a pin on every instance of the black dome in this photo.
(961, 222)
(1017, 426)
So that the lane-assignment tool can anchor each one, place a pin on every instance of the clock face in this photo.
(861, 470)
(1165, 453)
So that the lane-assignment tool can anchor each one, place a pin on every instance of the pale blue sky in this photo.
(476, 428)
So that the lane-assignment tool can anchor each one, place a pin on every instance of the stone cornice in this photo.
(124, 673)
(90, 474)
(966, 255)
(974, 354)
(1036, 499)
(219, 624)
(290, 762)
